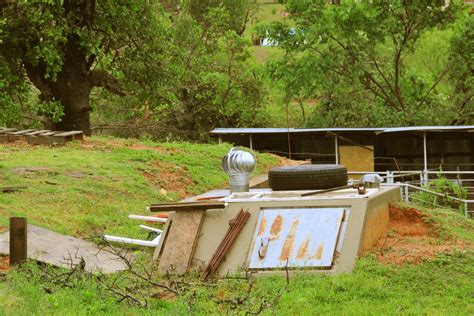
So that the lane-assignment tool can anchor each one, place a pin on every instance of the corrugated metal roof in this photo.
(292, 130)
(428, 128)
(469, 128)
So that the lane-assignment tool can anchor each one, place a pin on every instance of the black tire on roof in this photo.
(307, 177)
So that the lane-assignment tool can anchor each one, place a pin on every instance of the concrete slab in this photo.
(47, 246)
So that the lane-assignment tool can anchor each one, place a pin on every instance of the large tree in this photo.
(174, 67)
(66, 48)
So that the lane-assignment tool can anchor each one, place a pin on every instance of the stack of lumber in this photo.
(39, 137)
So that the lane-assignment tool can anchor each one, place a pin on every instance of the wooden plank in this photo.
(3, 138)
(48, 133)
(37, 132)
(7, 130)
(70, 133)
(164, 236)
(46, 140)
(187, 206)
(178, 250)
(18, 232)
(22, 132)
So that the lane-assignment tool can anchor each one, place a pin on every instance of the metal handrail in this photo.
(434, 192)
(465, 202)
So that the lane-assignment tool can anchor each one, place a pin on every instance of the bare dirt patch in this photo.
(169, 177)
(111, 144)
(411, 238)
(289, 162)
(31, 172)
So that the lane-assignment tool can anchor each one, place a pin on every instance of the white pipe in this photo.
(139, 242)
(336, 150)
(251, 141)
(148, 218)
(152, 229)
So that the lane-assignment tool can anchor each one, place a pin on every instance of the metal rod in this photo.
(336, 149)
(250, 141)
(327, 190)
(425, 159)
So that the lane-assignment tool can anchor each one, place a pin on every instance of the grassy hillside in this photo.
(424, 265)
(86, 187)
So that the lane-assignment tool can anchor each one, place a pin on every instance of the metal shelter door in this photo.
(305, 237)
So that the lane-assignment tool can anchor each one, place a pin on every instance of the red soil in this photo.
(4, 264)
(411, 238)
(170, 177)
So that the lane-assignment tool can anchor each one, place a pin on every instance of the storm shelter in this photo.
(323, 233)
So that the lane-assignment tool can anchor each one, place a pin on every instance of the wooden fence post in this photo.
(18, 241)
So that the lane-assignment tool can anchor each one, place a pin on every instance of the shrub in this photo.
(443, 185)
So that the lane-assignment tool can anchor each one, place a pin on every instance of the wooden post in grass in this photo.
(18, 234)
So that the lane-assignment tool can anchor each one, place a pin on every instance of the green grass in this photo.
(436, 287)
(440, 286)
(77, 190)
(114, 186)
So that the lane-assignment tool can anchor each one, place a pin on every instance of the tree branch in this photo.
(441, 76)
(395, 90)
(36, 75)
(101, 78)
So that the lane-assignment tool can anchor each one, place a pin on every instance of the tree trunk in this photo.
(73, 92)
(74, 82)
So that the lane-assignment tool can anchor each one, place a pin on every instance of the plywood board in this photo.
(178, 250)
(57, 249)
(357, 158)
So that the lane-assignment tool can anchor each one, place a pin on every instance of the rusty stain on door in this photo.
(296, 237)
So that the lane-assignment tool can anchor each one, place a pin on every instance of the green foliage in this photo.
(175, 73)
(461, 61)
(444, 186)
(238, 12)
(358, 60)
(196, 76)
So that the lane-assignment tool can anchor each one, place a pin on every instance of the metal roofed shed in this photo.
(422, 151)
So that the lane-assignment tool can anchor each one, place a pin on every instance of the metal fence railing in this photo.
(411, 183)
(407, 190)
